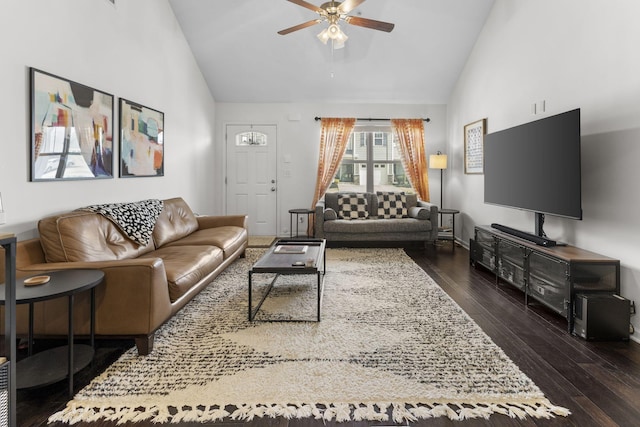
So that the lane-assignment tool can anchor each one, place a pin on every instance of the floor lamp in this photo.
(439, 161)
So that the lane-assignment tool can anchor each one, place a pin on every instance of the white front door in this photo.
(251, 176)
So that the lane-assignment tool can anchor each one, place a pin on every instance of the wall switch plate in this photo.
(3, 218)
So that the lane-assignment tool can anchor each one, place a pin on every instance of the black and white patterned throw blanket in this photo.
(135, 219)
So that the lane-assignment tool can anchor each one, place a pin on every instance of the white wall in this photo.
(135, 50)
(572, 54)
(299, 138)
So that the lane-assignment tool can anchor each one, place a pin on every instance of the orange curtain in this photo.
(333, 143)
(410, 134)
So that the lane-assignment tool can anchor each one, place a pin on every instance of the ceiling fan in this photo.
(333, 12)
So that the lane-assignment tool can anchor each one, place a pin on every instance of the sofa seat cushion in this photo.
(185, 266)
(371, 225)
(229, 238)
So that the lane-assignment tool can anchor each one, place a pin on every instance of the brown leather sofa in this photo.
(144, 285)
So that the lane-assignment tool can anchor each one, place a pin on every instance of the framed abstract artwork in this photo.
(71, 129)
(141, 140)
(474, 147)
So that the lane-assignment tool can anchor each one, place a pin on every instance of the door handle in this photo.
(273, 181)
(273, 188)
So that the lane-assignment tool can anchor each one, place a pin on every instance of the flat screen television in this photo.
(536, 167)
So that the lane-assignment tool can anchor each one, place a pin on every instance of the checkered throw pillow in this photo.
(392, 205)
(352, 206)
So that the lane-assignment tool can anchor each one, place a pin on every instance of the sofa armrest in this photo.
(319, 220)
(134, 296)
(433, 217)
(210, 221)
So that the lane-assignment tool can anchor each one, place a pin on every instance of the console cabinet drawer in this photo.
(549, 294)
(550, 270)
(511, 263)
(485, 240)
(482, 254)
(595, 277)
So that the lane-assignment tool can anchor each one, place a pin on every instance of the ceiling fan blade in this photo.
(348, 5)
(308, 6)
(299, 27)
(370, 23)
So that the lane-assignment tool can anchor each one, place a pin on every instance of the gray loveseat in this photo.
(372, 217)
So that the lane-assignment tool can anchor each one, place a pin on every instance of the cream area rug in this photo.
(391, 346)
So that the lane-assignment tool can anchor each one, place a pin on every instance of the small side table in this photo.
(443, 232)
(308, 212)
(50, 366)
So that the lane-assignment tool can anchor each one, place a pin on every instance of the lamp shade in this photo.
(438, 161)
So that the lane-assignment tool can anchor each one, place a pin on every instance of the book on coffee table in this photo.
(290, 249)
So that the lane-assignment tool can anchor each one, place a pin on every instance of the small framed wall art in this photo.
(474, 147)
(141, 140)
(71, 129)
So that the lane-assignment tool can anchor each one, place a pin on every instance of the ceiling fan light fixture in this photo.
(324, 36)
(333, 12)
(339, 40)
(341, 37)
(334, 31)
(336, 44)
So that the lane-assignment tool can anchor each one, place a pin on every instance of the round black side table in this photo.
(50, 366)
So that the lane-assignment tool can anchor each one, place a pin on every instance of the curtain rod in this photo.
(373, 120)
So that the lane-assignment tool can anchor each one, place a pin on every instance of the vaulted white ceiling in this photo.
(243, 59)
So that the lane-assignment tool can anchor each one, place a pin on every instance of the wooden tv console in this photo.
(550, 275)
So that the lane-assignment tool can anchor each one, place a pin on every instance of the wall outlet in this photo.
(301, 220)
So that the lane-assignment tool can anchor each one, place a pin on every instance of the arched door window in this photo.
(251, 138)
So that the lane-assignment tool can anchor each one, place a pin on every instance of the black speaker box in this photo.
(601, 317)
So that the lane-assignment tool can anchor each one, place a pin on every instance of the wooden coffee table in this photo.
(289, 257)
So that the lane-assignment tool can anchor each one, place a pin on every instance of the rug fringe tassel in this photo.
(370, 413)
(339, 412)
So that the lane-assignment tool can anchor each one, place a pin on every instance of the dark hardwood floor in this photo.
(598, 381)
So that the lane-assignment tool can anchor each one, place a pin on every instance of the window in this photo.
(371, 162)
(251, 138)
(379, 138)
(349, 150)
